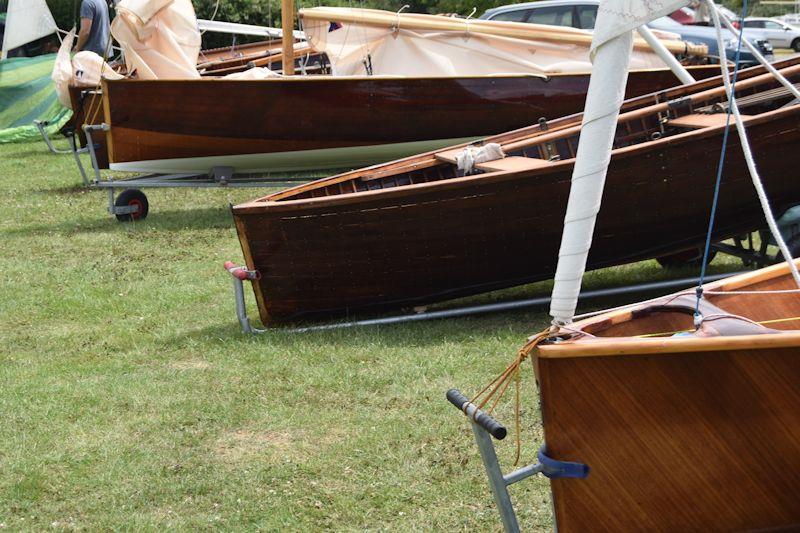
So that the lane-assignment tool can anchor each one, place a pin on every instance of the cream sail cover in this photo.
(159, 38)
(419, 49)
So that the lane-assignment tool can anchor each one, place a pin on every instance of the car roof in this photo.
(541, 3)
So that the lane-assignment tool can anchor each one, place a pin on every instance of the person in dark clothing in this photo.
(95, 27)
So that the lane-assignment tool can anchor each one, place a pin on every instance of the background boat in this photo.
(303, 123)
(457, 80)
(416, 231)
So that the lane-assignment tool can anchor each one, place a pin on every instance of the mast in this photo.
(610, 54)
(287, 27)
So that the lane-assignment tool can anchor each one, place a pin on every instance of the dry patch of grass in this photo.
(245, 444)
(190, 364)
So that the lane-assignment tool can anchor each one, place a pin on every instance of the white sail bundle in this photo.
(26, 21)
(159, 38)
(610, 54)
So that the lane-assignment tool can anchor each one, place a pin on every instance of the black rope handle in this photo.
(484, 420)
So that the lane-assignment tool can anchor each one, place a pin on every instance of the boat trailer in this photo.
(484, 427)
(128, 203)
(240, 274)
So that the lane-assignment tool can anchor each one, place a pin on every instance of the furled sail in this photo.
(366, 41)
(611, 51)
(159, 38)
(26, 21)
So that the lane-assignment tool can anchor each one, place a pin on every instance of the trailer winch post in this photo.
(484, 426)
(88, 129)
(239, 274)
(41, 125)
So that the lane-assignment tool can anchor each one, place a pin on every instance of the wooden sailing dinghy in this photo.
(305, 123)
(417, 231)
(465, 80)
(682, 430)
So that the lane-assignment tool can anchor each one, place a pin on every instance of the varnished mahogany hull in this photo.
(680, 434)
(183, 120)
(423, 243)
(696, 441)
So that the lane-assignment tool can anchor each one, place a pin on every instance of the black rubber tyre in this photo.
(793, 243)
(129, 198)
(687, 258)
(796, 45)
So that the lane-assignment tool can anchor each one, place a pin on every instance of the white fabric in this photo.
(358, 50)
(615, 17)
(159, 38)
(26, 21)
(471, 155)
(256, 73)
(748, 154)
(62, 70)
(611, 49)
(88, 68)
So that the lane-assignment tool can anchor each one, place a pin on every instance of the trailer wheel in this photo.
(687, 258)
(794, 248)
(132, 198)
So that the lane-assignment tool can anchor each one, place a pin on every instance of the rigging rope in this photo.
(733, 109)
(498, 386)
(721, 163)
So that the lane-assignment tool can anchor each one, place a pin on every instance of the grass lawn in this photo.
(130, 398)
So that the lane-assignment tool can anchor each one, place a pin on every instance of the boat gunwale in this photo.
(261, 205)
(618, 346)
(635, 103)
(328, 77)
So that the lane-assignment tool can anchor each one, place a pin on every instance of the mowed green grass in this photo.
(130, 398)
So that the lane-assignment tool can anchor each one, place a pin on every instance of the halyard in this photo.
(130, 399)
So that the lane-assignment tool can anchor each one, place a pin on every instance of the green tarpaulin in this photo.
(26, 94)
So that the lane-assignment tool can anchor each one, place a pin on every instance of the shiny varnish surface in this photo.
(680, 433)
(414, 231)
(163, 119)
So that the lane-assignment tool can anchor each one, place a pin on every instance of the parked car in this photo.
(793, 19)
(779, 34)
(582, 14)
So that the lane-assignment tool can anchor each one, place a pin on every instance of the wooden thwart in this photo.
(699, 121)
(514, 164)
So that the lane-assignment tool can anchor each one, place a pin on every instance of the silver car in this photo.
(778, 33)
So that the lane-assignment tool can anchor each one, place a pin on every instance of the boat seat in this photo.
(513, 163)
(700, 120)
(449, 156)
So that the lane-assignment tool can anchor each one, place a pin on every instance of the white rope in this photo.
(748, 154)
(761, 59)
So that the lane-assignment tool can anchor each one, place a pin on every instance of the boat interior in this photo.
(539, 150)
(743, 305)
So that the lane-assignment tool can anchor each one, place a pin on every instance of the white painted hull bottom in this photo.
(322, 159)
